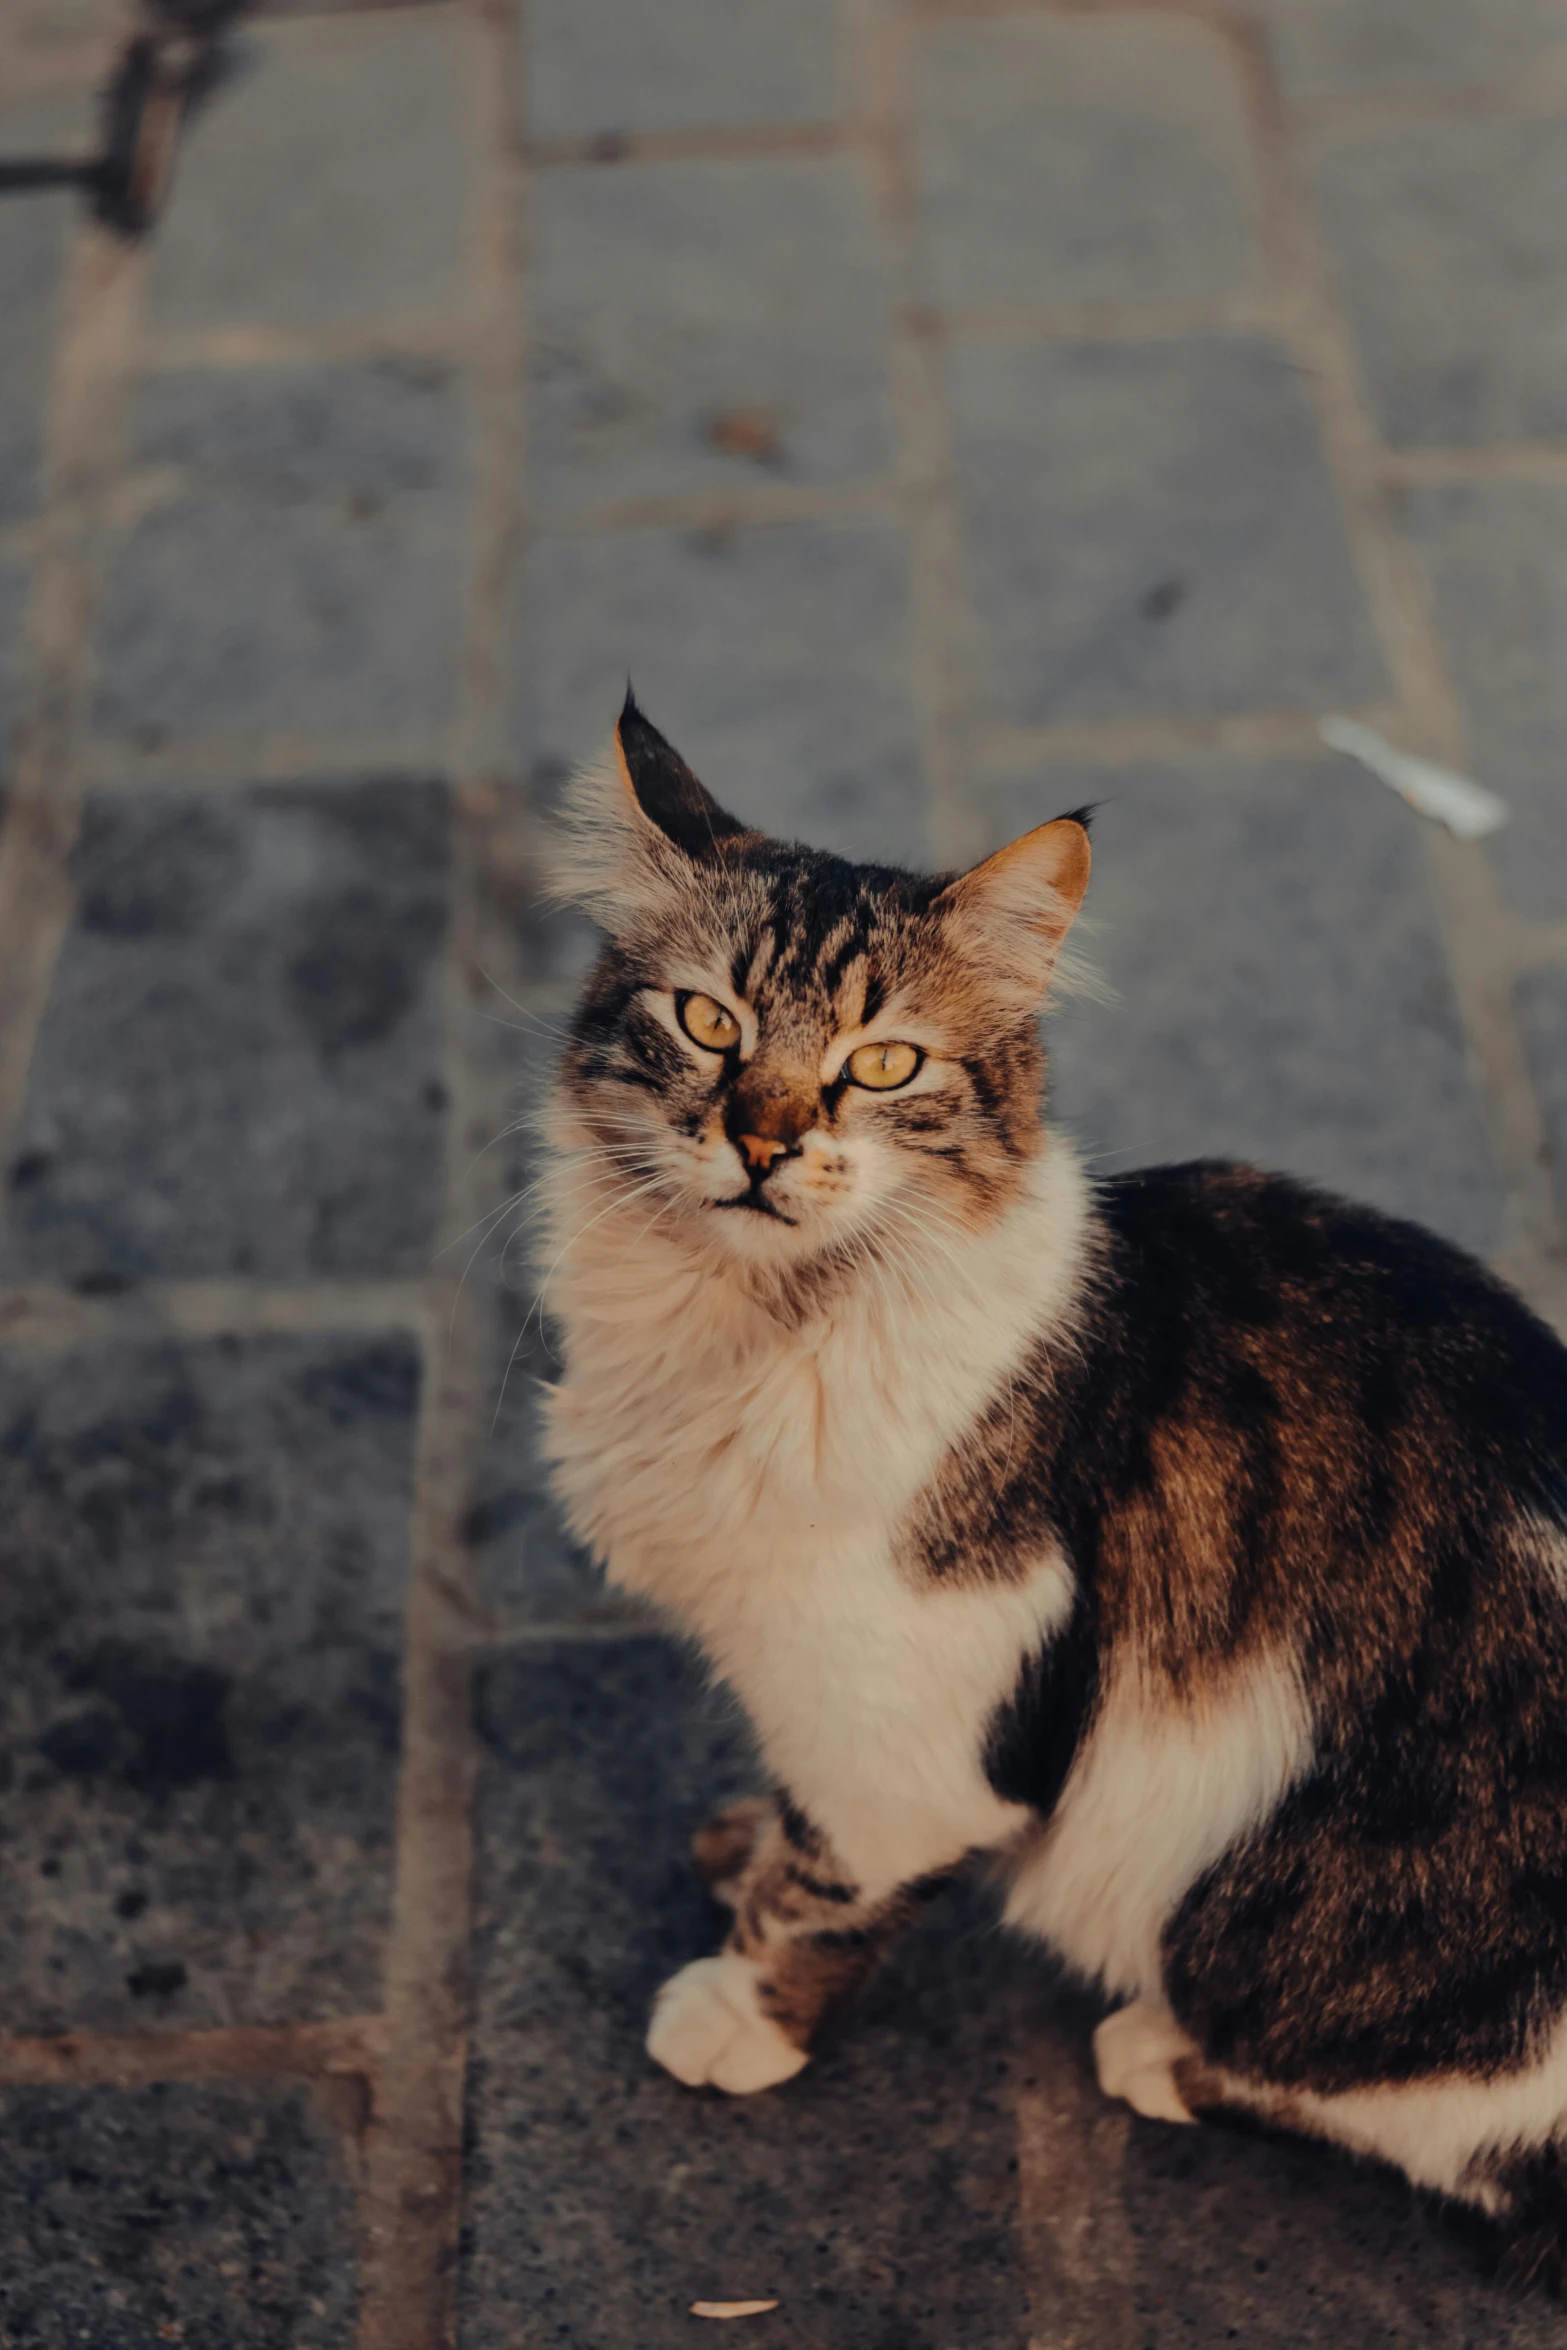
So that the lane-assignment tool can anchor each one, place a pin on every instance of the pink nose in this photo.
(758, 1151)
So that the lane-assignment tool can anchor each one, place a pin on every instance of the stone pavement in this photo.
(949, 411)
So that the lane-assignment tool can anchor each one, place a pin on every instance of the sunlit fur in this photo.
(1192, 1544)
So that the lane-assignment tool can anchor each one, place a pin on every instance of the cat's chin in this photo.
(759, 1236)
(780, 1238)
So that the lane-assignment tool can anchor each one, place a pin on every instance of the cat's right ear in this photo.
(636, 824)
(1013, 911)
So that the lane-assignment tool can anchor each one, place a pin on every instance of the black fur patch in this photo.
(1033, 1741)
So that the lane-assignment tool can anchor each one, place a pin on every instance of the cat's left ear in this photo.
(1015, 909)
(663, 788)
(637, 828)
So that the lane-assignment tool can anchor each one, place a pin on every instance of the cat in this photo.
(1192, 1545)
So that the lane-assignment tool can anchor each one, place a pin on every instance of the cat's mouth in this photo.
(757, 1205)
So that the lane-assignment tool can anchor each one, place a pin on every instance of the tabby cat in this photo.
(1191, 1544)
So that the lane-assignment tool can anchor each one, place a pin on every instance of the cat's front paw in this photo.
(708, 2028)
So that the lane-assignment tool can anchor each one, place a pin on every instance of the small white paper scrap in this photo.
(1467, 809)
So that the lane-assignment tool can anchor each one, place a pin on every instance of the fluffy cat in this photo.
(1192, 1544)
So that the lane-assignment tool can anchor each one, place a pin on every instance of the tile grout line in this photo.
(879, 60)
(222, 2052)
(85, 405)
(49, 1317)
(411, 2191)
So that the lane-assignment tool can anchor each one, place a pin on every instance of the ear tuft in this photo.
(1016, 908)
(665, 789)
(635, 827)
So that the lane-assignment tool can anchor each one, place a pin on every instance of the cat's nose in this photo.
(759, 1151)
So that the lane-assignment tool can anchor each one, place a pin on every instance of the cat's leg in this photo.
(803, 1941)
(722, 1847)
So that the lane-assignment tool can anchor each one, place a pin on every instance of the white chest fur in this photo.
(751, 1478)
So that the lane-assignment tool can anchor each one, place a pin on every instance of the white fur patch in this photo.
(1434, 2129)
(708, 2030)
(1158, 1793)
(752, 1477)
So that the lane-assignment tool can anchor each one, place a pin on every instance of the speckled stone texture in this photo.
(218, 2218)
(205, 1551)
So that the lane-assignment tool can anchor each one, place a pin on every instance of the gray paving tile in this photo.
(1151, 527)
(206, 1548)
(595, 68)
(1088, 160)
(305, 569)
(1497, 560)
(217, 2218)
(35, 233)
(875, 2196)
(1542, 1006)
(239, 1067)
(1445, 245)
(324, 181)
(1282, 992)
(776, 659)
(1324, 48)
(704, 324)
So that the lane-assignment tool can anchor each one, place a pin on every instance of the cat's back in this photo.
(1210, 1265)
(1325, 1417)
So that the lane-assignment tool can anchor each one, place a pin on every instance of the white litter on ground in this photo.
(1467, 809)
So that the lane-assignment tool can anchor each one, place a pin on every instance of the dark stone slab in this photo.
(304, 568)
(1150, 527)
(324, 181)
(239, 1066)
(1444, 241)
(776, 659)
(1497, 560)
(1330, 48)
(1083, 160)
(704, 325)
(1281, 992)
(875, 2196)
(597, 69)
(205, 1550)
(218, 2218)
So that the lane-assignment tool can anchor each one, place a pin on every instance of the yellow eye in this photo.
(707, 1023)
(883, 1066)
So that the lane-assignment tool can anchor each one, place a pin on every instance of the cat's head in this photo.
(792, 1053)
